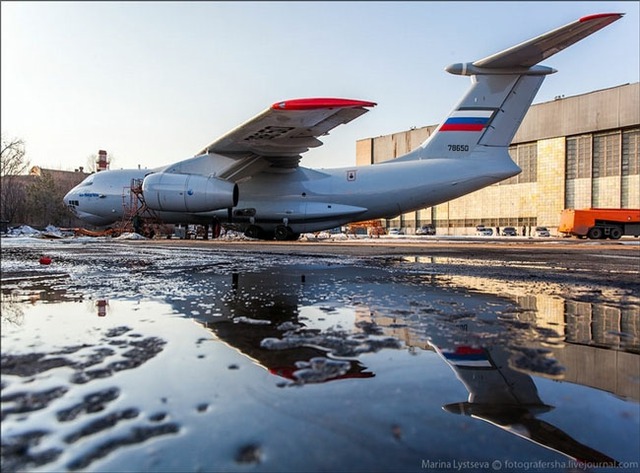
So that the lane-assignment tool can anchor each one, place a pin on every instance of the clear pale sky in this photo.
(154, 82)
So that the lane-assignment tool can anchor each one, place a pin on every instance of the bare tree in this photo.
(44, 202)
(12, 164)
(92, 164)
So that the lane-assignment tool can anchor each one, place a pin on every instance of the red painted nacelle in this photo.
(168, 192)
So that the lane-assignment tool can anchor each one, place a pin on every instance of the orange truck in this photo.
(600, 223)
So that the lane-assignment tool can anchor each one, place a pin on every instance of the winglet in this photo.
(611, 16)
(319, 103)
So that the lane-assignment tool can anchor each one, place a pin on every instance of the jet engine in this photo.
(170, 192)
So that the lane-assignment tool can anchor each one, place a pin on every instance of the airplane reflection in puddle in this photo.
(508, 399)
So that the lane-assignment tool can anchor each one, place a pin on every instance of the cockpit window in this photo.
(88, 181)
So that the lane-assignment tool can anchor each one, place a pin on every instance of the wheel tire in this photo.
(216, 228)
(283, 233)
(253, 231)
(595, 233)
(615, 233)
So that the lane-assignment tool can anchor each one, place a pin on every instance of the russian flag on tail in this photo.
(467, 120)
(467, 356)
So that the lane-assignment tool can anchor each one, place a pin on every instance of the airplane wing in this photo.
(538, 49)
(280, 134)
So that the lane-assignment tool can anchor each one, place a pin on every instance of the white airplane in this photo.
(251, 178)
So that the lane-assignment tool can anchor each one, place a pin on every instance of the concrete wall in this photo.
(364, 152)
(606, 192)
(582, 191)
(384, 148)
(632, 186)
(550, 183)
(617, 107)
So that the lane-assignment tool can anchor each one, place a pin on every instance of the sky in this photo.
(154, 82)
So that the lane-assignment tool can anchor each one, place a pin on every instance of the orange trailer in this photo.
(600, 223)
(372, 227)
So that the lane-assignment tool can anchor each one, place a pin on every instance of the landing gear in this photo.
(284, 233)
(281, 233)
(253, 231)
(216, 228)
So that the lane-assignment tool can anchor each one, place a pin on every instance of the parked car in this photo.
(509, 231)
(541, 232)
(481, 230)
(396, 231)
(426, 230)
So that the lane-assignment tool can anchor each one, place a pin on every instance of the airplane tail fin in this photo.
(503, 87)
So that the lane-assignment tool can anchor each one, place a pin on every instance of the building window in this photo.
(630, 154)
(630, 166)
(578, 166)
(578, 157)
(525, 156)
(606, 155)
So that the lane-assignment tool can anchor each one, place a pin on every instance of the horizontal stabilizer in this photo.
(538, 49)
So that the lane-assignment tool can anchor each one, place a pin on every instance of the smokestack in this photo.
(103, 163)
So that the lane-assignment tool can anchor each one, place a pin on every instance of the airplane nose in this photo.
(70, 201)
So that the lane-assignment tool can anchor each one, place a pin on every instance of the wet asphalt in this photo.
(176, 355)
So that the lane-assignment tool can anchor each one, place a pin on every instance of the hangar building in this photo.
(574, 152)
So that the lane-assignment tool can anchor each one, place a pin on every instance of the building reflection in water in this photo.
(596, 344)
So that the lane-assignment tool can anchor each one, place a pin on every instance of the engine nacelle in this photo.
(170, 192)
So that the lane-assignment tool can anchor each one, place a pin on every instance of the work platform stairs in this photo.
(136, 215)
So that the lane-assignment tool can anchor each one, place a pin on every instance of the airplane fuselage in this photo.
(308, 200)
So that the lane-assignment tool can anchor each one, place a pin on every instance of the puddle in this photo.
(128, 358)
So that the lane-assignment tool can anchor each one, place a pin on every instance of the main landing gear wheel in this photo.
(259, 233)
(284, 233)
(253, 231)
